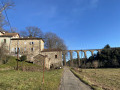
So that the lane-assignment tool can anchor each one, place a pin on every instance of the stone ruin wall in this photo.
(52, 58)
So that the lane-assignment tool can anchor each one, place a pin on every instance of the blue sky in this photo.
(83, 24)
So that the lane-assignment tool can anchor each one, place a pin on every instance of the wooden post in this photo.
(78, 58)
(81, 60)
(43, 69)
(71, 59)
(17, 56)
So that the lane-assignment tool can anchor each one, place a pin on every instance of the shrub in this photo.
(23, 58)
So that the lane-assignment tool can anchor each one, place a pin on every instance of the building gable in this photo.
(39, 56)
(39, 59)
(1, 33)
(14, 35)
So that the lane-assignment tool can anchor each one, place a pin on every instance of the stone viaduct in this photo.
(78, 56)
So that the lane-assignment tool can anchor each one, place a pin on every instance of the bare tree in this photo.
(2, 22)
(53, 41)
(4, 6)
(32, 31)
(14, 30)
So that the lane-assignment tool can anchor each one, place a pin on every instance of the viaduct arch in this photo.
(78, 56)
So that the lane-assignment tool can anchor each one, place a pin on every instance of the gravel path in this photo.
(71, 82)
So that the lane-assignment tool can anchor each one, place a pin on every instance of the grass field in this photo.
(11, 79)
(108, 79)
(18, 80)
(11, 64)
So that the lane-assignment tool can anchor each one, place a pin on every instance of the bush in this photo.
(23, 58)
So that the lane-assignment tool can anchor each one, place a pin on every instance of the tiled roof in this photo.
(49, 50)
(29, 38)
(9, 34)
(40, 55)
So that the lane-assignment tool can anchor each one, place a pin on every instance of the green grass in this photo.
(11, 79)
(11, 64)
(102, 79)
(18, 80)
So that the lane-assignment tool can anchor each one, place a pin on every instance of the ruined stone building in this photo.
(33, 48)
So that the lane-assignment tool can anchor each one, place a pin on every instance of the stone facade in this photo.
(6, 38)
(55, 57)
(41, 60)
(27, 45)
(33, 48)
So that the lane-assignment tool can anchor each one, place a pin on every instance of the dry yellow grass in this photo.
(104, 78)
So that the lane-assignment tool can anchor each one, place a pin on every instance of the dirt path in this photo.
(71, 82)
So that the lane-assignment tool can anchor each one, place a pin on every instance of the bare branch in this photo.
(53, 41)
(6, 5)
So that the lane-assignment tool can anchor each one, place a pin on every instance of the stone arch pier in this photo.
(78, 56)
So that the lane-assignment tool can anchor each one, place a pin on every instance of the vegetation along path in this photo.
(70, 82)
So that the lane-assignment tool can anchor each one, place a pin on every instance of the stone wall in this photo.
(27, 46)
(34, 47)
(55, 57)
(40, 60)
(8, 41)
